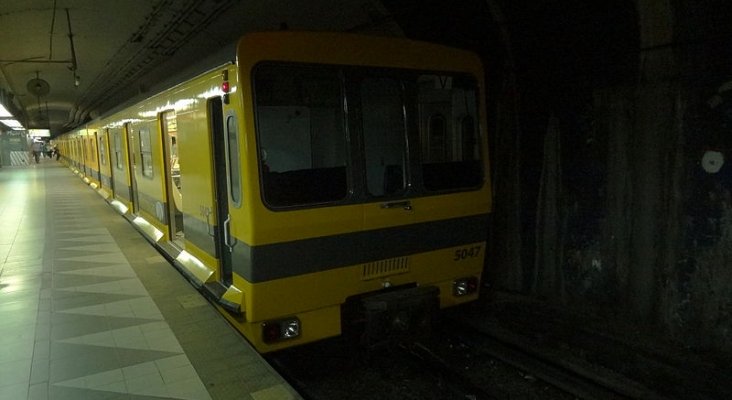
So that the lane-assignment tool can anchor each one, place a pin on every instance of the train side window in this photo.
(301, 134)
(384, 136)
(146, 153)
(448, 133)
(90, 150)
(232, 137)
(117, 150)
(103, 149)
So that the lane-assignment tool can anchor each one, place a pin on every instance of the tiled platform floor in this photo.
(89, 310)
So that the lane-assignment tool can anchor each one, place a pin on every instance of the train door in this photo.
(132, 167)
(169, 129)
(220, 147)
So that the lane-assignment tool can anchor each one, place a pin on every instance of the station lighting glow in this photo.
(120, 123)
(178, 106)
(195, 267)
(39, 132)
(4, 113)
(148, 229)
(12, 123)
(119, 206)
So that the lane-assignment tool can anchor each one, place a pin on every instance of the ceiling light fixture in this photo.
(4, 113)
(12, 123)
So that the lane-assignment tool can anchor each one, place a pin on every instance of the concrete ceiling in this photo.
(63, 62)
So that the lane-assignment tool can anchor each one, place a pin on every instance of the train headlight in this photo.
(283, 329)
(464, 286)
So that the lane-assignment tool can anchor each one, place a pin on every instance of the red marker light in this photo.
(225, 88)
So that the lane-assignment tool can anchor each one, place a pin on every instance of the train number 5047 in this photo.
(467, 252)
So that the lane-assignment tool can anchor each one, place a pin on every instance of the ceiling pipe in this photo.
(50, 39)
(74, 64)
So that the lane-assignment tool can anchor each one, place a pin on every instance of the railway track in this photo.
(451, 379)
(458, 362)
(533, 367)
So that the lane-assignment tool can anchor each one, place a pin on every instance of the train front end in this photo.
(365, 188)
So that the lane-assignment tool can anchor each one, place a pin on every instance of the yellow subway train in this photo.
(321, 183)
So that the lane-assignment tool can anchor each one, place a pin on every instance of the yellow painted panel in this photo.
(311, 291)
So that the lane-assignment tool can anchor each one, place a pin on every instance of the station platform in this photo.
(90, 310)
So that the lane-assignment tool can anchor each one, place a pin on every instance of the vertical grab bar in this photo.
(227, 235)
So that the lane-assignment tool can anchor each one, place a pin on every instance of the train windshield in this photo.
(450, 155)
(412, 133)
(301, 135)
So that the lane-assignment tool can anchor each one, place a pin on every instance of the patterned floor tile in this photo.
(78, 322)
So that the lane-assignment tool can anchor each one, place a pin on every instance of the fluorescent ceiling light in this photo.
(4, 113)
(11, 123)
(39, 132)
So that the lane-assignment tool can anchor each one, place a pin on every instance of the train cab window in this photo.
(117, 140)
(384, 136)
(232, 138)
(146, 153)
(448, 133)
(301, 134)
(437, 138)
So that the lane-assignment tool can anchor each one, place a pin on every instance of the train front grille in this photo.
(382, 268)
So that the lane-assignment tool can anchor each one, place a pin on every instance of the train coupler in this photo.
(400, 315)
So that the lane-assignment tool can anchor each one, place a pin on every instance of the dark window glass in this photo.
(448, 132)
(436, 137)
(384, 136)
(301, 135)
(232, 137)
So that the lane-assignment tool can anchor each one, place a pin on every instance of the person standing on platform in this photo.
(36, 148)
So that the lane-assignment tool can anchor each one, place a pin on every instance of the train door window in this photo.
(170, 127)
(117, 138)
(384, 136)
(146, 152)
(232, 139)
(301, 134)
(447, 107)
(92, 143)
(103, 149)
